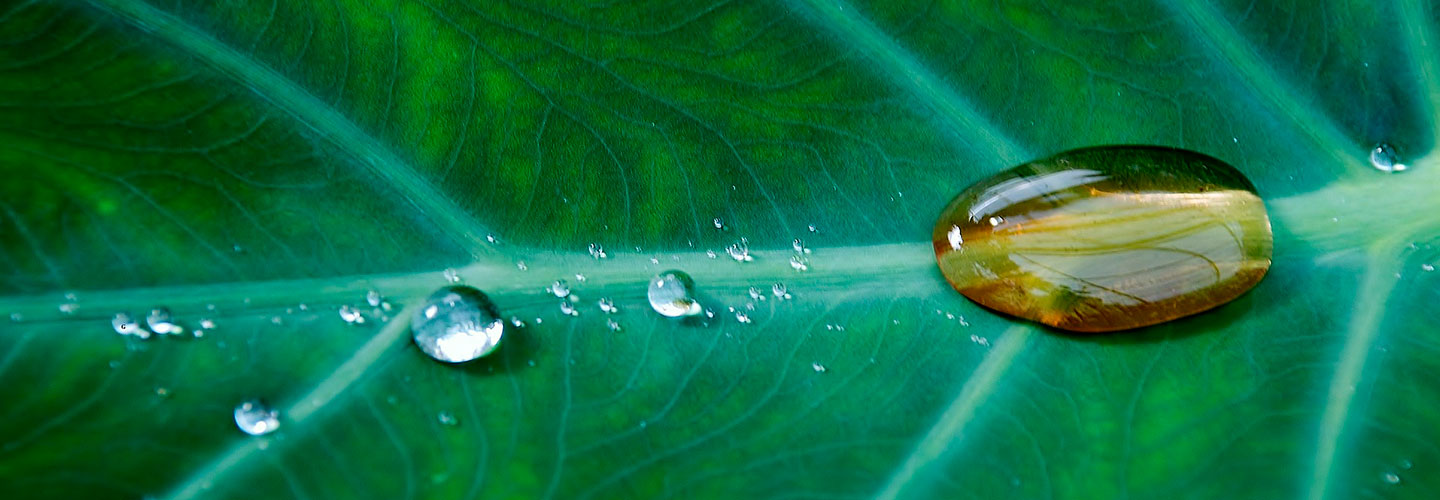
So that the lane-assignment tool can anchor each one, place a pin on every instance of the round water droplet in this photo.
(457, 324)
(597, 251)
(742, 317)
(1392, 478)
(159, 322)
(447, 419)
(560, 288)
(607, 306)
(719, 224)
(613, 325)
(568, 308)
(799, 263)
(1384, 158)
(740, 251)
(124, 324)
(69, 307)
(351, 315)
(1107, 238)
(255, 418)
(207, 324)
(779, 290)
(672, 294)
(756, 294)
(819, 368)
(373, 298)
(799, 246)
(451, 275)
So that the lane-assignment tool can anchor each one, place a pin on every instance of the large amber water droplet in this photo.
(1106, 238)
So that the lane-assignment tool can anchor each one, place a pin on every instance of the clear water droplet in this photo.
(351, 315)
(812, 228)
(521, 266)
(447, 419)
(124, 324)
(16, 317)
(580, 277)
(1385, 159)
(162, 392)
(799, 246)
(780, 291)
(457, 324)
(451, 275)
(519, 323)
(980, 340)
(672, 294)
(719, 224)
(1392, 478)
(742, 317)
(819, 368)
(160, 322)
(373, 298)
(613, 325)
(756, 294)
(206, 324)
(560, 288)
(69, 308)
(607, 306)
(711, 254)
(740, 251)
(568, 308)
(1427, 267)
(597, 251)
(799, 263)
(255, 418)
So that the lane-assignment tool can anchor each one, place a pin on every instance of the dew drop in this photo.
(780, 291)
(255, 418)
(613, 325)
(819, 368)
(69, 308)
(799, 263)
(160, 322)
(719, 224)
(1384, 158)
(1405, 464)
(672, 294)
(711, 254)
(451, 275)
(756, 294)
(162, 392)
(206, 324)
(1427, 267)
(447, 419)
(124, 324)
(1392, 478)
(457, 324)
(560, 288)
(373, 298)
(607, 306)
(351, 315)
(16, 317)
(799, 246)
(521, 266)
(568, 308)
(742, 317)
(597, 251)
(1087, 240)
(580, 277)
(519, 323)
(812, 228)
(740, 251)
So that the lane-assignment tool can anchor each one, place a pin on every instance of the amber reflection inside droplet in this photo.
(1107, 238)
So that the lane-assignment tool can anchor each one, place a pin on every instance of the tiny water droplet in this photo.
(799, 246)
(457, 324)
(373, 298)
(159, 322)
(819, 368)
(451, 275)
(351, 315)
(519, 323)
(607, 306)
(255, 418)
(16, 317)
(711, 254)
(124, 324)
(447, 419)
(597, 251)
(1392, 478)
(580, 277)
(207, 324)
(719, 224)
(521, 266)
(162, 392)
(812, 228)
(980, 340)
(799, 263)
(1385, 159)
(1405, 464)
(568, 308)
(613, 325)
(740, 251)
(672, 294)
(560, 288)
(69, 308)
(1427, 267)
(491, 238)
(756, 294)
(780, 291)
(742, 317)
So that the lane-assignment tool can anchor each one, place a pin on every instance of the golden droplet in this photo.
(1107, 238)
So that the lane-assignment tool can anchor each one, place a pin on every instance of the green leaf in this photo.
(262, 164)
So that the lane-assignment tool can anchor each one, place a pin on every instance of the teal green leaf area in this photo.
(255, 166)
